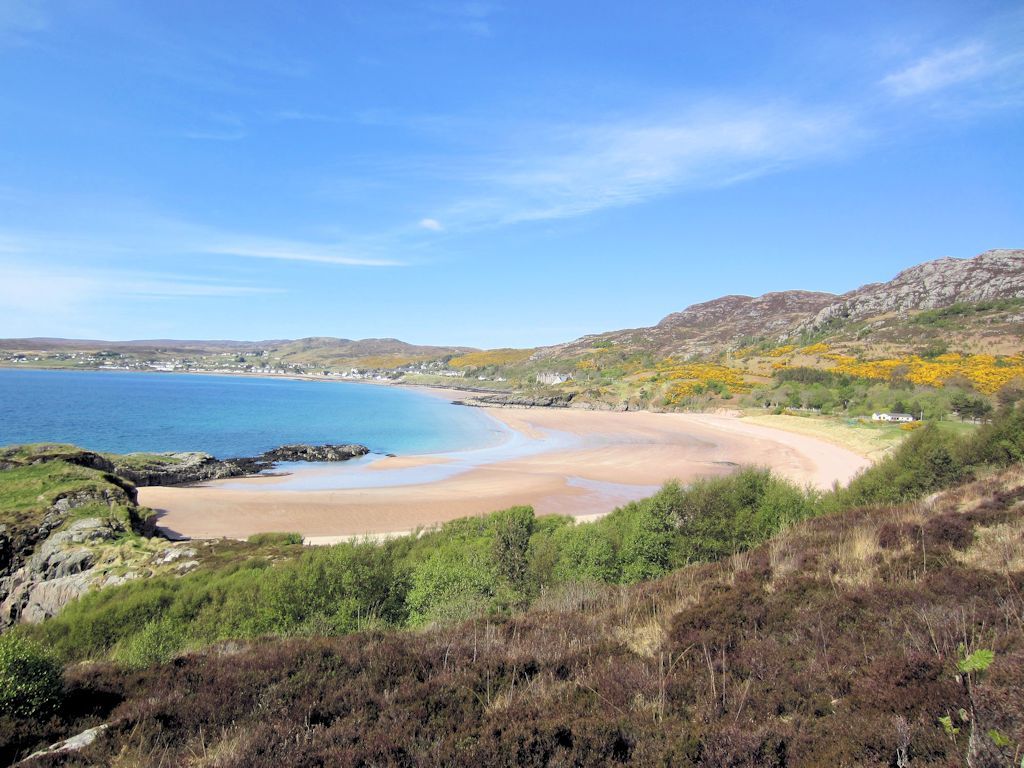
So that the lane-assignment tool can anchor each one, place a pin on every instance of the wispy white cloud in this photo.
(942, 69)
(135, 232)
(283, 250)
(431, 224)
(301, 116)
(222, 127)
(581, 169)
(41, 288)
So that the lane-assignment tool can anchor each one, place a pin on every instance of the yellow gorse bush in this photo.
(820, 348)
(986, 373)
(689, 378)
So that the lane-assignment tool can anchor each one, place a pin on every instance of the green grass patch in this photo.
(26, 492)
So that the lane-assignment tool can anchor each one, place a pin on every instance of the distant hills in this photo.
(963, 307)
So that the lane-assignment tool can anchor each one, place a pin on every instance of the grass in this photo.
(870, 440)
(26, 492)
(140, 460)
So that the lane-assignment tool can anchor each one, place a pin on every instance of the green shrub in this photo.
(30, 678)
(155, 643)
(585, 553)
(511, 530)
(724, 515)
(277, 538)
(926, 461)
(455, 582)
(647, 544)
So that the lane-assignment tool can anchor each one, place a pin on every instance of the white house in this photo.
(553, 378)
(898, 417)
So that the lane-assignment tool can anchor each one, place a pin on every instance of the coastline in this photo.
(577, 462)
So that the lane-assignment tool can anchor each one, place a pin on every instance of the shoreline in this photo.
(565, 461)
(271, 376)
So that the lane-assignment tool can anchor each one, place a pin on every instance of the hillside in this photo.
(314, 355)
(952, 324)
(731, 322)
(883, 630)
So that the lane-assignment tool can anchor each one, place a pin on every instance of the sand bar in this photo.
(564, 461)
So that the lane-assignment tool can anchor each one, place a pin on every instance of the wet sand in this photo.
(564, 461)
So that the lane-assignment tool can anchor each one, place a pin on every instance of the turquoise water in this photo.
(229, 415)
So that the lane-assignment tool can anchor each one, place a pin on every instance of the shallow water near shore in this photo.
(230, 416)
(374, 470)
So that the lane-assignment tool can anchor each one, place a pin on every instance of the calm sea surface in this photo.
(229, 415)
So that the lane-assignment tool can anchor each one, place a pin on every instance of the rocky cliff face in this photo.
(44, 566)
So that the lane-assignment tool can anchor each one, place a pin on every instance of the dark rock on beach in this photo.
(519, 401)
(316, 452)
(186, 468)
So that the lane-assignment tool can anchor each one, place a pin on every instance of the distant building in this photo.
(553, 378)
(898, 417)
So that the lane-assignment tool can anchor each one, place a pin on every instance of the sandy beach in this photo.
(565, 461)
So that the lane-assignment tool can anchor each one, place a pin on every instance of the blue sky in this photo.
(490, 174)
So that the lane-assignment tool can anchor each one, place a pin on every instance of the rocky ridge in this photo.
(728, 322)
(996, 274)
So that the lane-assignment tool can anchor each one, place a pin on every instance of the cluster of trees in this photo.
(830, 392)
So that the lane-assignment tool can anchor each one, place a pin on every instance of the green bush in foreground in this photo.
(30, 679)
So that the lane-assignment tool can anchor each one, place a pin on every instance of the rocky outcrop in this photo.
(315, 453)
(519, 401)
(183, 468)
(129, 470)
(195, 467)
(74, 744)
(997, 274)
(17, 544)
(58, 571)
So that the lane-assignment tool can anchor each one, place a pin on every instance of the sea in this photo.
(231, 416)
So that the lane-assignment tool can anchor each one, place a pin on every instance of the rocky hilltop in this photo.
(997, 274)
(731, 321)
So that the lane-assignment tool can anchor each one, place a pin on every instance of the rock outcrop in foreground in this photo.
(69, 540)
